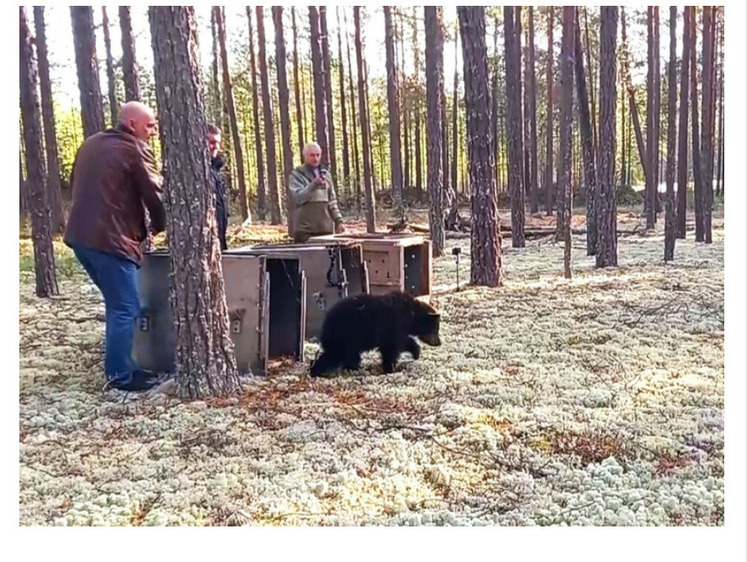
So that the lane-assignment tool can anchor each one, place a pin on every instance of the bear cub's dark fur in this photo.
(388, 322)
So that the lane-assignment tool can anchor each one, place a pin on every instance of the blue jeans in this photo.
(116, 278)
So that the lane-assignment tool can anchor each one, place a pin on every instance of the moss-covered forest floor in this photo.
(592, 401)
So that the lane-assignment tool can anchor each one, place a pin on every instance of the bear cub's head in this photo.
(427, 322)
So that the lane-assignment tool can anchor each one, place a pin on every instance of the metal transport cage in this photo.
(395, 261)
(266, 299)
(334, 270)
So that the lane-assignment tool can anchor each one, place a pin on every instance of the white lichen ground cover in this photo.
(595, 401)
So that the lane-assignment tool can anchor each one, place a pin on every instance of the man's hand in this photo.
(339, 228)
(319, 182)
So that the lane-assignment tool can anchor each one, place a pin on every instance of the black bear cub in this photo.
(363, 322)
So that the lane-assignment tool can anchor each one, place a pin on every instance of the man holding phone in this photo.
(313, 192)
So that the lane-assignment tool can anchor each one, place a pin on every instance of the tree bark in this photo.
(434, 60)
(205, 363)
(84, 40)
(356, 158)
(284, 103)
(455, 121)
(216, 102)
(707, 124)
(54, 187)
(494, 96)
(229, 103)
(320, 100)
(641, 145)
(404, 105)
(682, 168)
(418, 90)
(485, 241)
(345, 141)
(533, 165)
(607, 196)
(592, 84)
(299, 113)
(696, 146)
(657, 115)
(587, 146)
(651, 138)
(513, 82)
(566, 110)
(550, 86)
(261, 180)
(670, 217)
(366, 133)
(395, 152)
(113, 104)
(36, 192)
(129, 62)
(330, 113)
(720, 158)
(276, 210)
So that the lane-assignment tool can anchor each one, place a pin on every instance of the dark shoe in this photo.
(144, 374)
(139, 382)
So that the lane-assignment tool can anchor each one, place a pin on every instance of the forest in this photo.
(570, 157)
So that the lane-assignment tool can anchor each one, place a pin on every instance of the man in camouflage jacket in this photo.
(313, 192)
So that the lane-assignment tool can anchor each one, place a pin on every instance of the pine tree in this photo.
(485, 246)
(205, 362)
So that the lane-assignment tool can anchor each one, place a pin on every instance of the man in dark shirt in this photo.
(114, 179)
(221, 193)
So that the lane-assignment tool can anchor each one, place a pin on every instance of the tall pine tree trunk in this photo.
(670, 218)
(296, 86)
(607, 196)
(455, 121)
(395, 152)
(327, 69)
(550, 86)
(651, 138)
(418, 90)
(587, 144)
(276, 212)
(641, 145)
(354, 119)
(129, 62)
(485, 240)
(284, 102)
(707, 123)
(682, 161)
(494, 95)
(229, 103)
(205, 362)
(515, 156)
(36, 192)
(345, 141)
(566, 110)
(532, 86)
(84, 40)
(592, 85)
(320, 100)
(261, 180)
(113, 104)
(657, 115)
(365, 130)
(720, 159)
(696, 146)
(50, 132)
(404, 110)
(434, 77)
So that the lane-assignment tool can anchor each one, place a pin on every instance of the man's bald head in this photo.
(140, 118)
(312, 154)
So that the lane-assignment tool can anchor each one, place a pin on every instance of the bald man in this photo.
(114, 179)
(314, 196)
